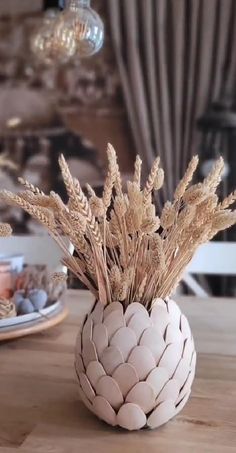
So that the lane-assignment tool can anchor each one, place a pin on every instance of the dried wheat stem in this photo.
(111, 177)
(109, 295)
(79, 241)
(97, 206)
(151, 179)
(223, 220)
(118, 181)
(79, 201)
(134, 263)
(141, 290)
(187, 178)
(90, 190)
(43, 215)
(5, 230)
(82, 203)
(137, 171)
(168, 215)
(228, 201)
(196, 194)
(73, 266)
(214, 177)
(173, 276)
(159, 180)
(58, 203)
(30, 186)
(58, 278)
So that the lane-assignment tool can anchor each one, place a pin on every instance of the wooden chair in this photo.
(214, 258)
(36, 250)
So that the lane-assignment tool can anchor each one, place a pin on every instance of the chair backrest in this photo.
(214, 258)
(36, 250)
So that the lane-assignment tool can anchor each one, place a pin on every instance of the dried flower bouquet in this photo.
(126, 252)
(135, 356)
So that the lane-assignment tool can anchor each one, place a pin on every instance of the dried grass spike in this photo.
(59, 278)
(43, 215)
(209, 204)
(58, 203)
(5, 230)
(187, 178)
(214, 177)
(115, 278)
(134, 195)
(111, 177)
(195, 194)
(118, 181)
(120, 206)
(200, 235)
(137, 171)
(151, 179)
(228, 201)
(123, 291)
(159, 180)
(97, 206)
(141, 289)
(82, 203)
(186, 216)
(150, 225)
(223, 220)
(157, 248)
(67, 178)
(78, 221)
(90, 190)
(30, 186)
(150, 211)
(42, 201)
(168, 215)
(128, 275)
(7, 308)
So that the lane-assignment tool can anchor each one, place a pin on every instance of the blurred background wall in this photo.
(75, 108)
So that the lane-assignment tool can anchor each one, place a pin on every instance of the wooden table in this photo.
(40, 409)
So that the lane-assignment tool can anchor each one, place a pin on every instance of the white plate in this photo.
(23, 319)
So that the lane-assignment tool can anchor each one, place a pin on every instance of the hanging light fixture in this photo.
(76, 32)
(82, 25)
(42, 43)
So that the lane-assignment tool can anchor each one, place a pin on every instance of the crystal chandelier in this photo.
(76, 32)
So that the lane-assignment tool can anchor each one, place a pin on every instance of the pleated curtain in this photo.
(174, 57)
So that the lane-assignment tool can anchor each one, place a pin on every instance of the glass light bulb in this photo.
(44, 45)
(81, 25)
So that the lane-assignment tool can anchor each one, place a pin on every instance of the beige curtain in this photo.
(174, 58)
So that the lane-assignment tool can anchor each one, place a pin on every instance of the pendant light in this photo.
(82, 25)
(43, 45)
(76, 32)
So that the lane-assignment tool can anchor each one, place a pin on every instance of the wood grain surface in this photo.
(40, 409)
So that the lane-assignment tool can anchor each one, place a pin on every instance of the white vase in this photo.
(135, 369)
